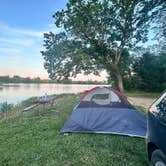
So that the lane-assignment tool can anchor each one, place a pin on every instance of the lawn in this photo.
(27, 139)
(142, 94)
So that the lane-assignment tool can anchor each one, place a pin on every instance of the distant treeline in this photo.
(18, 79)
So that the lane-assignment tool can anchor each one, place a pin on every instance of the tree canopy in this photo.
(97, 35)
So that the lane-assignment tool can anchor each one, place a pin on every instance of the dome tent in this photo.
(106, 110)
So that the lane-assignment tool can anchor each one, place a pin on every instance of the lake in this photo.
(15, 93)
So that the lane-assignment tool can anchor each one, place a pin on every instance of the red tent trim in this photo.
(114, 90)
(89, 91)
(118, 92)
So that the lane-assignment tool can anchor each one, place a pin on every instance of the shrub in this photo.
(5, 107)
(132, 82)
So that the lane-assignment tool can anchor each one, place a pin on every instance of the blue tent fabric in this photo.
(107, 120)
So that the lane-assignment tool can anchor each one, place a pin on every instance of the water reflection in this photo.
(15, 93)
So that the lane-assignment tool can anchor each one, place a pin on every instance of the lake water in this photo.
(15, 93)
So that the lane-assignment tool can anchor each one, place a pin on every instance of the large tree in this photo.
(97, 34)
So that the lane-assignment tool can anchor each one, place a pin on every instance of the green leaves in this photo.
(152, 70)
(65, 57)
(95, 35)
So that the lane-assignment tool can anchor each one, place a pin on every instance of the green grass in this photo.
(141, 109)
(142, 94)
(30, 140)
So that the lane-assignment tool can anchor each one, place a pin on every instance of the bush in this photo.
(5, 107)
(163, 86)
(151, 69)
(132, 82)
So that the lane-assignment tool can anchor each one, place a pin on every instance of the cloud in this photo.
(16, 42)
(23, 37)
(6, 29)
(12, 38)
(8, 51)
(20, 49)
(53, 29)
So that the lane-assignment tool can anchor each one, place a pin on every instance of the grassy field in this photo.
(142, 94)
(27, 139)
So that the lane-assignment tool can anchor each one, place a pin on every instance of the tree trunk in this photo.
(117, 73)
(119, 81)
(114, 69)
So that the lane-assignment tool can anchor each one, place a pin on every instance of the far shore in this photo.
(74, 82)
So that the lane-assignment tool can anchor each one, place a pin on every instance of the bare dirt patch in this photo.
(141, 101)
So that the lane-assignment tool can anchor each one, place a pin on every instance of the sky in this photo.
(22, 24)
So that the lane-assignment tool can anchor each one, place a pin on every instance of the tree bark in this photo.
(119, 81)
(117, 73)
(114, 69)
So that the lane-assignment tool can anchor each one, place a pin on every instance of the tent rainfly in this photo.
(106, 110)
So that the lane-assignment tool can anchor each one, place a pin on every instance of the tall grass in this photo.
(5, 107)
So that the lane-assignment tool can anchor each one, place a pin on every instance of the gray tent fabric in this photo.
(114, 117)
